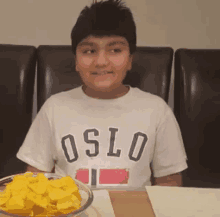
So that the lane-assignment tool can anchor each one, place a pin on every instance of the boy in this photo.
(105, 133)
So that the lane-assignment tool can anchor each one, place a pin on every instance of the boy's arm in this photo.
(171, 180)
(33, 169)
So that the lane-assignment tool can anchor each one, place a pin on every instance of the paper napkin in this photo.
(101, 205)
(184, 202)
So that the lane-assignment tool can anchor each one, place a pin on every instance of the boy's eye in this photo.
(92, 51)
(117, 50)
(86, 51)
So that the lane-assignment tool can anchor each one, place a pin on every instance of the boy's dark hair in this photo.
(105, 19)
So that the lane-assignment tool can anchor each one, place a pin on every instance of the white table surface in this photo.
(184, 202)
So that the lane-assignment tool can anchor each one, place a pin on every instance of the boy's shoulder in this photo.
(74, 93)
(147, 96)
(62, 98)
(146, 100)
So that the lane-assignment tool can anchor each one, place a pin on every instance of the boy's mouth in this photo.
(101, 73)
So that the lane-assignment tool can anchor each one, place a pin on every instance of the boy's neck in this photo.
(111, 94)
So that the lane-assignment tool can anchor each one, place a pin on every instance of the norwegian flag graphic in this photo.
(108, 177)
(83, 175)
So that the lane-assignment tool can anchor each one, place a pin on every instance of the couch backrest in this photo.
(17, 73)
(151, 71)
(197, 108)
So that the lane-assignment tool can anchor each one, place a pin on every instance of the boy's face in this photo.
(103, 62)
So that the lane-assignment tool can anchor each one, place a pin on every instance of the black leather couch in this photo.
(151, 71)
(17, 73)
(197, 109)
(196, 98)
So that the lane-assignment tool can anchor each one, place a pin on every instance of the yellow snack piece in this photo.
(23, 193)
(41, 176)
(6, 193)
(76, 202)
(32, 179)
(65, 199)
(77, 194)
(28, 174)
(39, 187)
(15, 202)
(71, 189)
(65, 205)
(66, 211)
(38, 211)
(37, 196)
(29, 204)
(3, 200)
(69, 181)
(41, 201)
(58, 183)
(58, 194)
(18, 211)
(49, 189)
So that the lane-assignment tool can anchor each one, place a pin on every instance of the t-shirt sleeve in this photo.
(169, 154)
(36, 148)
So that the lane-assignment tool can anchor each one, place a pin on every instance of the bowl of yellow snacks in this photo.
(43, 194)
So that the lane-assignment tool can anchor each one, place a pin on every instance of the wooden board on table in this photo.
(131, 203)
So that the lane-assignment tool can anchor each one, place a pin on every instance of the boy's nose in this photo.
(102, 59)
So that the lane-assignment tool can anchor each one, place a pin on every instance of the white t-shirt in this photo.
(105, 142)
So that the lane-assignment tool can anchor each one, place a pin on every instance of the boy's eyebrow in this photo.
(110, 44)
(116, 42)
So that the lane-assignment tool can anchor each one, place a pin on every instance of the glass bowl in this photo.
(85, 192)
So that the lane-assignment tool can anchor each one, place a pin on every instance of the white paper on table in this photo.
(101, 205)
(184, 202)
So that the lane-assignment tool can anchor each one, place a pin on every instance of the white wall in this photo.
(175, 23)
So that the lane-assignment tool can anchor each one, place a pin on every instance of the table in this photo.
(131, 204)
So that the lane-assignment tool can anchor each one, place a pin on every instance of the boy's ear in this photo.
(74, 58)
(131, 60)
(132, 57)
